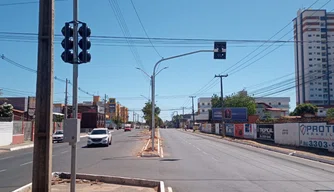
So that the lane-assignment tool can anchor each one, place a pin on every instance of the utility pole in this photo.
(105, 110)
(222, 101)
(42, 155)
(192, 98)
(66, 93)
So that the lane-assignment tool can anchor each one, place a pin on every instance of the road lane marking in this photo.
(3, 170)
(26, 163)
(64, 152)
(205, 152)
(214, 159)
(6, 158)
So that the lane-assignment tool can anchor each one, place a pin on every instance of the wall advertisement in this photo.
(229, 129)
(265, 132)
(318, 135)
(250, 131)
(239, 130)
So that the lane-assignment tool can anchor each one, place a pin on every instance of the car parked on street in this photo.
(58, 136)
(127, 127)
(99, 136)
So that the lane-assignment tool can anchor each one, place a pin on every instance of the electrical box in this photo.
(71, 130)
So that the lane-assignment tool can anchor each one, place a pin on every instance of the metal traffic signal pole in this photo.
(75, 92)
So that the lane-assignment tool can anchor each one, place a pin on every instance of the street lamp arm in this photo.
(143, 72)
(161, 70)
(176, 56)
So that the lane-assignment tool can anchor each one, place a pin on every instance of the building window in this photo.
(310, 60)
(310, 53)
(323, 54)
(310, 47)
(312, 95)
(324, 60)
(318, 53)
(269, 103)
(323, 35)
(209, 104)
(323, 48)
(202, 111)
(203, 103)
(318, 59)
(322, 18)
(279, 103)
(323, 30)
(309, 35)
(318, 35)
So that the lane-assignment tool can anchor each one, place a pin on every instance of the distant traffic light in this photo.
(84, 43)
(221, 50)
(67, 43)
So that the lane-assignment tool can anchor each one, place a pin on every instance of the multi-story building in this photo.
(314, 56)
(124, 114)
(275, 102)
(203, 105)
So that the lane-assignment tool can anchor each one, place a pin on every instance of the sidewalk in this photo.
(25, 145)
(306, 153)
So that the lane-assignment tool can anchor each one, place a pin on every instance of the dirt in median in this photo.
(148, 150)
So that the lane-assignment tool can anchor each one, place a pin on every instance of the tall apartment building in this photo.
(203, 105)
(314, 56)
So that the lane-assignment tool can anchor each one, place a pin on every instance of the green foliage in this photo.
(241, 99)
(330, 113)
(306, 108)
(58, 118)
(147, 110)
(6, 110)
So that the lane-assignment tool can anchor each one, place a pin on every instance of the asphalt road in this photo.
(191, 163)
(16, 166)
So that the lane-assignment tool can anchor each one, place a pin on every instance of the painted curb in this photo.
(281, 151)
(160, 154)
(105, 179)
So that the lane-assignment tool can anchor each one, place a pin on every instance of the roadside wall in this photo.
(6, 133)
(287, 134)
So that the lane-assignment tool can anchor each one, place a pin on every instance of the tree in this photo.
(241, 99)
(330, 113)
(6, 110)
(306, 108)
(147, 110)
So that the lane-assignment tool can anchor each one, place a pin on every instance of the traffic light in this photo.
(67, 43)
(84, 43)
(221, 54)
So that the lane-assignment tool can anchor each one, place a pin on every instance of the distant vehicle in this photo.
(137, 127)
(58, 136)
(99, 136)
(127, 127)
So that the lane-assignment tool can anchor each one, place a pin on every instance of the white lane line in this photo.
(64, 152)
(6, 158)
(3, 170)
(205, 152)
(214, 159)
(198, 148)
(26, 163)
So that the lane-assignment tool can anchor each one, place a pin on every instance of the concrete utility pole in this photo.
(105, 109)
(222, 101)
(192, 99)
(75, 93)
(42, 155)
(66, 93)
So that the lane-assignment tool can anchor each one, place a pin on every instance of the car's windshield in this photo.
(58, 132)
(98, 132)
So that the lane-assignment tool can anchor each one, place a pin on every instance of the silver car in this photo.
(99, 136)
(58, 136)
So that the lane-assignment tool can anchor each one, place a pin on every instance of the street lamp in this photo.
(216, 50)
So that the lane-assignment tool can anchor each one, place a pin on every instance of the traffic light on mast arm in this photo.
(67, 43)
(84, 43)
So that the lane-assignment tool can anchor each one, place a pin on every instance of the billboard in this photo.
(318, 135)
(239, 130)
(233, 114)
(112, 100)
(250, 131)
(229, 129)
(265, 132)
(112, 105)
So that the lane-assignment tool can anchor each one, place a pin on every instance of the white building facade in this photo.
(314, 56)
(204, 105)
(275, 102)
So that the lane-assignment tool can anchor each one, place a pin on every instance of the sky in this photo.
(112, 70)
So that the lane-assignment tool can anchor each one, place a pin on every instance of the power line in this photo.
(142, 25)
(35, 71)
(23, 3)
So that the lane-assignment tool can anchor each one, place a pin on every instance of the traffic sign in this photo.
(219, 50)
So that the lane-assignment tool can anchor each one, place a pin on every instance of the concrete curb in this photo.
(308, 157)
(106, 179)
(160, 153)
(26, 146)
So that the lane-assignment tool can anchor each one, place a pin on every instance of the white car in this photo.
(58, 136)
(99, 136)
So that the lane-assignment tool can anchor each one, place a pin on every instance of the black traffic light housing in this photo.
(221, 54)
(67, 43)
(84, 43)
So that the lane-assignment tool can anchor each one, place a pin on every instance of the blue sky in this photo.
(112, 70)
